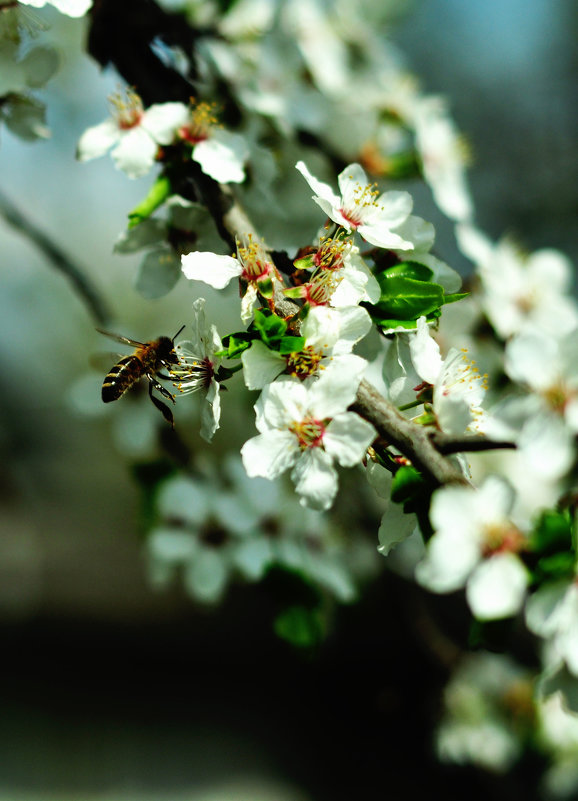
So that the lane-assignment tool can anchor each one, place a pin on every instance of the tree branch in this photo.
(81, 284)
(410, 439)
(467, 443)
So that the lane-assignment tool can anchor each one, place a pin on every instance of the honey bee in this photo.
(147, 361)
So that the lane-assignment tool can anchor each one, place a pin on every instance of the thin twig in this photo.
(59, 259)
(466, 443)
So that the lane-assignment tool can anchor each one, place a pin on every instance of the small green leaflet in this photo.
(158, 193)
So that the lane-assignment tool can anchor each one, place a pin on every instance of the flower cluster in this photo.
(459, 408)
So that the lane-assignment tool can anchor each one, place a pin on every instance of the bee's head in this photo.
(167, 351)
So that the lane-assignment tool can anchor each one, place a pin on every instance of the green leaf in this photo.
(402, 165)
(291, 344)
(407, 482)
(407, 299)
(158, 193)
(299, 626)
(235, 344)
(455, 296)
(557, 566)
(552, 532)
(407, 269)
(271, 328)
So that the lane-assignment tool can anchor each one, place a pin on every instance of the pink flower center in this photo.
(198, 129)
(502, 538)
(128, 111)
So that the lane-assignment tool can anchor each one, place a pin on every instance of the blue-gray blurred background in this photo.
(112, 691)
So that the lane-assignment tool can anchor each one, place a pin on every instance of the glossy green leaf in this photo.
(406, 299)
(407, 269)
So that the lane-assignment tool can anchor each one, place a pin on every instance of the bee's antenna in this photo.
(178, 332)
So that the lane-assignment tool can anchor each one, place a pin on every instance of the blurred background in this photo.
(113, 691)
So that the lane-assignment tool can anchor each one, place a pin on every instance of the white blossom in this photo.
(360, 207)
(197, 367)
(485, 703)
(330, 335)
(133, 132)
(220, 153)
(443, 154)
(475, 544)
(304, 426)
(521, 291)
(160, 267)
(458, 387)
(552, 613)
(253, 267)
(548, 366)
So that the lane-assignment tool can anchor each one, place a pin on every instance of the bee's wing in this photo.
(104, 360)
(119, 338)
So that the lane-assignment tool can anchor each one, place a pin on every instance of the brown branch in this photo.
(467, 443)
(59, 259)
(411, 439)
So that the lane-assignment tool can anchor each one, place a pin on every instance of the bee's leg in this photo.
(165, 377)
(162, 407)
(159, 387)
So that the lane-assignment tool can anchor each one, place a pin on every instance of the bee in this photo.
(147, 361)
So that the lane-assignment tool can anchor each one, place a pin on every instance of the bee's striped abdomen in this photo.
(121, 377)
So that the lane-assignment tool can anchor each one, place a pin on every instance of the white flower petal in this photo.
(315, 479)
(321, 189)
(497, 587)
(425, 353)
(135, 153)
(532, 358)
(162, 120)
(394, 209)
(171, 546)
(336, 387)
(222, 157)
(261, 365)
(543, 608)
(253, 557)
(270, 454)
(211, 411)
(449, 560)
(217, 271)
(206, 576)
(96, 141)
(181, 498)
(73, 8)
(281, 404)
(347, 437)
